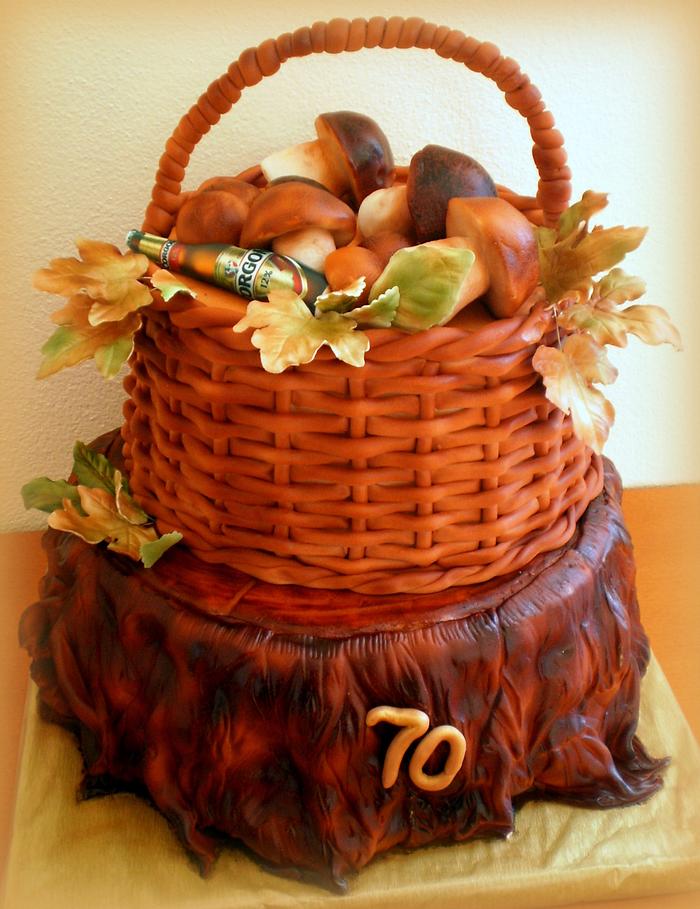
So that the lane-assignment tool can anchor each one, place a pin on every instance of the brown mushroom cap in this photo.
(245, 191)
(356, 147)
(504, 240)
(291, 206)
(436, 175)
(212, 216)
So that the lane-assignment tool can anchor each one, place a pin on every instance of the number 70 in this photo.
(414, 725)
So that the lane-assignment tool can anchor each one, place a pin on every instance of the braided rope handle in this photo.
(338, 36)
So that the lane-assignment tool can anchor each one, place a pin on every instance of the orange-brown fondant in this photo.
(439, 464)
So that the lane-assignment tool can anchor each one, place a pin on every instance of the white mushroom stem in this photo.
(385, 210)
(310, 246)
(305, 160)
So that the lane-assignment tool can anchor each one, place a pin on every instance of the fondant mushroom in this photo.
(435, 176)
(211, 216)
(385, 211)
(299, 220)
(358, 148)
(504, 242)
(351, 154)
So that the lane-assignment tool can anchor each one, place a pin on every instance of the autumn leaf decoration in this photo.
(99, 508)
(105, 291)
(590, 314)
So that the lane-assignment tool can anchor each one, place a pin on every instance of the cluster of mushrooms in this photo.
(338, 205)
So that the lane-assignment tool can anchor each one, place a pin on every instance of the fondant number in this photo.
(415, 725)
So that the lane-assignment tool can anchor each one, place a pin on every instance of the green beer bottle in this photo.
(250, 273)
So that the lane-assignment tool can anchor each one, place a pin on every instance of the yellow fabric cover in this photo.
(118, 852)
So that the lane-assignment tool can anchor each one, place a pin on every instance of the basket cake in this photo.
(439, 464)
(421, 544)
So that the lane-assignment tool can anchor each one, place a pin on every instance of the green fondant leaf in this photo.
(340, 300)
(48, 495)
(380, 313)
(151, 552)
(92, 469)
(429, 279)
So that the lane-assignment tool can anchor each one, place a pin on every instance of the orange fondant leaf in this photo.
(568, 375)
(619, 287)
(110, 344)
(109, 278)
(287, 334)
(114, 518)
(102, 521)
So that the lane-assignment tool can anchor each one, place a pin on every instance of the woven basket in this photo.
(438, 464)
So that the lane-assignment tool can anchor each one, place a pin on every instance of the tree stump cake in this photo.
(323, 727)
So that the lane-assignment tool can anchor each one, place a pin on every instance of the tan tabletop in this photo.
(665, 527)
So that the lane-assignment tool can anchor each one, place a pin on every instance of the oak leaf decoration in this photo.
(168, 285)
(571, 255)
(568, 375)
(287, 334)
(109, 278)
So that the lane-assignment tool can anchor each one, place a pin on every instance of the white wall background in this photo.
(90, 93)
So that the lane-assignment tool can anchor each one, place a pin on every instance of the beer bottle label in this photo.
(253, 273)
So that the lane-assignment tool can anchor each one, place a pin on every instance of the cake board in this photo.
(117, 851)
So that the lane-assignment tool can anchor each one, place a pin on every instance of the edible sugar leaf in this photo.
(110, 358)
(568, 375)
(287, 334)
(619, 287)
(429, 279)
(568, 266)
(102, 521)
(340, 300)
(168, 285)
(71, 344)
(93, 469)
(380, 313)
(606, 323)
(580, 212)
(126, 506)
(105, 275)
(48, 495)
(151, 552)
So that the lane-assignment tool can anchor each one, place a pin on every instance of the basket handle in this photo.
(337, 36)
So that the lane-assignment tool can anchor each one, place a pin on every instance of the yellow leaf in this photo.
(102, 521)
(607, 324)
(169, 285)
(581, 212)
(571, 255)
(571, 264)
(619, 287)
(567, 375)
(380, 313)
(108, 277)
(72, 343)
(127, 508)
(287, 334)
(340, 300)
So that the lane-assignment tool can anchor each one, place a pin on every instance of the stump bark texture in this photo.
(240, 707)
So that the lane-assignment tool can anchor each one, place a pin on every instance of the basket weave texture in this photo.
(439, 463)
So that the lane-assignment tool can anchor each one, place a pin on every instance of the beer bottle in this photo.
(250, 273)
